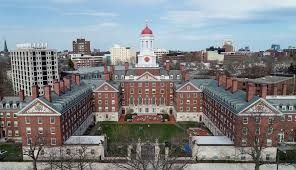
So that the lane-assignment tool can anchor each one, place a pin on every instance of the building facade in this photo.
(120, 55)
(81, 60)
(33, 64)
(81, 46)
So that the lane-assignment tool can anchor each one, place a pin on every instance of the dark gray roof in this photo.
(12, 103)
(69, 99)
(266, 79)
(94, 83)
(286, 104)
(234, 101)
(130, 72)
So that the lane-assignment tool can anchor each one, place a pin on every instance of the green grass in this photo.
(131, 132)
(14, 152)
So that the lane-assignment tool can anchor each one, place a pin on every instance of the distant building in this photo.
(228, 46)
(275, 47)
(81, 46)
(214, 56)
(159, 52)
(33, 64)
(120, 55)
(5, 50)
(81, 60)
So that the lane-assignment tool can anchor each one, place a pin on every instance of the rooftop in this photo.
(85, 140)
(266, 79)
(235, 101)
(212, 140)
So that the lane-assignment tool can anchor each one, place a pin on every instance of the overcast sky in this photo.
(176, 24)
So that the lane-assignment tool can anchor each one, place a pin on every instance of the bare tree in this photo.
(256, 138)
(34, 148)
(150, 155)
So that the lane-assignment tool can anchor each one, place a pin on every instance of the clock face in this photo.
(146, 59)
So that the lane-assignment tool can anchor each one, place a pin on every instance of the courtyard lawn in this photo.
(131, 132)
(14, 152)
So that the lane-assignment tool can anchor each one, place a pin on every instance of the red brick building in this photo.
(54, 117)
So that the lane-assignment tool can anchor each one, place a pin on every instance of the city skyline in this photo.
(190, 25)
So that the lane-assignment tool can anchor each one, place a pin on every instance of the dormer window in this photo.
(290, 108)
(178, 77)
(284, 108)
(116, 77)
(162, 77)
(131, 77)
(14, 106)
(7, 106)
(172, 76)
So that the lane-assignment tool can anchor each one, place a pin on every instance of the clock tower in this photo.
(146, 58)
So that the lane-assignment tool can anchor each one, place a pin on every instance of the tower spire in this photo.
(5, 47)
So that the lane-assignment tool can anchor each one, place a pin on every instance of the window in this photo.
(132, 100)
(269, 142)
(113, 102)
(8, 123)
(153, 91)
(146, 84)
(140, 91)
(270, 120)
(52, 130)
(132, 91)
(258, 120)
(181, 95)
(162, 84)
(267, 157)
(2, 123)
(290, 118)
(68, 151)
(53, 141)
(146, 91)
(245, 131)
(270, 130)
(153, 84)
(92, 151)
(290, 108)
(282, 118)
(15, 123)
(8, 115)
(257, 131)
(40, 120)
(1, 115)
(52, 120)
(16, 133)
(28, 131)
(27, 119)
(244, 142)
(284, 108)
(245, 120)
(40, 130)
(139, 84)
(161, 91)
(9, 133)
(188, 109)
(14, 115)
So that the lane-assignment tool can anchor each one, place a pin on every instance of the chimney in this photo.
(251, 91)
(167, 65)
(73, 79)
(186, 76)
(47, 93)
(67, 84)
(182, 67)
(126, 66)
(234, 86)
(57, 87)
(62, 87)
(263, 91)
(35, 91)
(112, 68)
(284, 89)
(22, 95)
(105, 69)
(228, 83)
(274, 90)
(222, 80)
(107, 76)
(77, 79)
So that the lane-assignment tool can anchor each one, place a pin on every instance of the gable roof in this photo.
(145, 74)
(106, 84)
(31, 106)
(183, 89)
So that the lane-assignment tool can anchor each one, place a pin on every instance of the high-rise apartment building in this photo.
(80, 46)
(159, 52)
(120, 55)
(33, 64)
